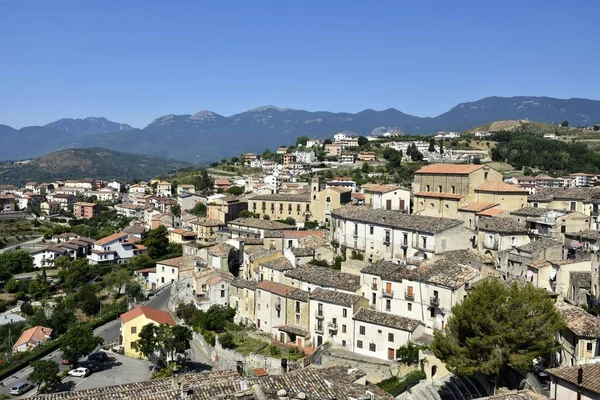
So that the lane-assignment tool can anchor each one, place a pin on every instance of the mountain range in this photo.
(94, 163)
(208, 136)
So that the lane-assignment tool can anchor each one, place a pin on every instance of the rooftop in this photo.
(386, 319)
(535, 211)
(302, 252)
(282, 197)
(325, 277)
(455, 169)
(257, 253)
(501, 225)
(590, 376)
(220, 250)
(160, 316)
(333, 297)
(579, 321)
(539, 245)
(276, 288)
(396, 219)
(243, 283)
(261, 224)
(477, 206)
(111, 238)
(171, 262)
(566, 193)
(278, 264)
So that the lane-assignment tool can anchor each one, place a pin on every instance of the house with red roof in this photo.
(134, 320)
(31, 338)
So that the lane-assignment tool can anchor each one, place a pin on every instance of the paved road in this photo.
(11, 248)
(109, 332)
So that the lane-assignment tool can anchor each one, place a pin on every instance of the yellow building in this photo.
(241, 298)
(508, 197)
(132, 323)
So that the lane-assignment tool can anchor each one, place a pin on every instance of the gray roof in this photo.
(278, 264)
(273, 234)
(582, 280)
(338, 298)
(261, 224)
(386, 319)
(256, 253)
(535, 211)
(302, 252)
(325, 277)
(539, 245)
(396, 219)
(501, 225)
(305, 197)
(300, 295)
(579, 321)
(566, 193)
(589, 234)
(442, 272)
(243, 283)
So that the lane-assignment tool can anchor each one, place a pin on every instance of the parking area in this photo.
(117, 371)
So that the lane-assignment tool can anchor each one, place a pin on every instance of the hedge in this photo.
(25, 361)
(396, 387)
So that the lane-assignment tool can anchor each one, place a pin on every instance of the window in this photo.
(297, 306)
(343, 343)
(589, 346)
(355, 229)
(327, 199)
(427, 188)
(409, 305)
(452, 189)
(344, 313)
(372, 347)
(134, 329)
(390, 337)
(359, 344)
(535, 205)
(258, 306)
(388, 305)
(259, 294)
(371, 230)
(440, 189)
(485, 175)
(361, 330)
(222, 293)
(573, 206)
(343, 328)
(297, 318)
(432, 312)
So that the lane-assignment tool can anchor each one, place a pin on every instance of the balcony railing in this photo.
(278, 306)
(404, 243)
(374, 286)
(319, 329)
(386, 240)
(434, 301)
(409, 296)
(319, 315)
(332, 326)
(387, 293)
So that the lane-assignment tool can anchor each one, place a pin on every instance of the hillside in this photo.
(528, 126)
(87, 126)
(208, 136)
(86, 163)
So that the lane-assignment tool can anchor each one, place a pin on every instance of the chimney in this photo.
(579, 375)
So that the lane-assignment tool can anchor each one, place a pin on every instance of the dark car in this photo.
(90, 365)
(98, 357)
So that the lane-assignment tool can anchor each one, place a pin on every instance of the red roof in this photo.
(159, 316)
(111, 238)
(36, 335)
(146, 270)
(500, 187)
(491, 212)
(171, 262)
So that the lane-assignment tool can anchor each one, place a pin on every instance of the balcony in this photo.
(419, 245)
(386, 240)
(319, 314)
(388, 293)
(409, 296)
(332, 326)
(374, 286)
(278, 306)
(434, 301)
(404, 244)
(319, 329)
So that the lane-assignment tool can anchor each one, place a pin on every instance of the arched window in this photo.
(328, 199)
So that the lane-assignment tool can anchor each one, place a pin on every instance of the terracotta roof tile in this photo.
(160, 316)
(500, 187)
(591, 376)
(459, 169)
(276, 288)
(477, 206)
(490, 212)
(171, 262)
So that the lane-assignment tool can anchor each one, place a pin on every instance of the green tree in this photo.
(44, 372)
(199, 210)
(236, 190)
(596, 128)
(15, 262)
(564, 124)
(442, 146)
(267, 154)
(62, 317)
(75, 273)
(290, 221)
(234, 160)
(163, 341)
(182, 336)
(248, 214)
(431, 148)
(176, 210)
(362, 141)
(327, 141)
(226, 340)
(301, 140)
(79, 341)
(157, 242)
(498, 326)
(140, 262)
(133, 290)
(366, 168)
(87, 300)
(186, 312)
(409, 353)
(117, 280)
(39, 287)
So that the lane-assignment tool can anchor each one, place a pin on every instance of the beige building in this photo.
(508, 197)
(387, 197)
(441, 189)
(296, 329)
(580, 338)
(575, 382)
(500, 233)
(225, 209)
(323, 202)
(549, 223)
(241, 298)
(207, 230)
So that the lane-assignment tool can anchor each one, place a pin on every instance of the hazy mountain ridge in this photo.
(87, 126)
(207, 136)
(87, 163)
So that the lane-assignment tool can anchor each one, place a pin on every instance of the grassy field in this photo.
(18, 231)
(246, 345)
(501, 166)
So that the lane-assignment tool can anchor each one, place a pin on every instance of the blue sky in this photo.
(132, 61)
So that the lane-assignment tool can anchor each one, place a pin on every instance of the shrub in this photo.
(396, 387)
(274, 350)
(209, 337)
(311, 225)
(226, 340)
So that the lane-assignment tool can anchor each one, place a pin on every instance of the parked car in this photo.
(20, 388)
(79, 372)
(99, 357)
(90, 365)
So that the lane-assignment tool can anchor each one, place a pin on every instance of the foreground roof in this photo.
(333, 297)
(501, 225)
(579, 321)
(325, 277)
(261, 224)
(396, 219)
(457, 169)
(591, 376)
(159, 316)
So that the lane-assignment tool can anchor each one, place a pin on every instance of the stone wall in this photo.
(376, 372)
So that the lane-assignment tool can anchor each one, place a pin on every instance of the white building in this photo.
(167, 271)
(379, 334)
(119, 247)
(387, 197)
(271, 306)
(314, 143)
(164, 189)
(331, 317)
(305, 156)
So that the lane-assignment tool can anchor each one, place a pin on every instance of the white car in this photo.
(79, 372)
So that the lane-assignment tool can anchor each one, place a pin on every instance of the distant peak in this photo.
(204, 114)
(265, 108)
